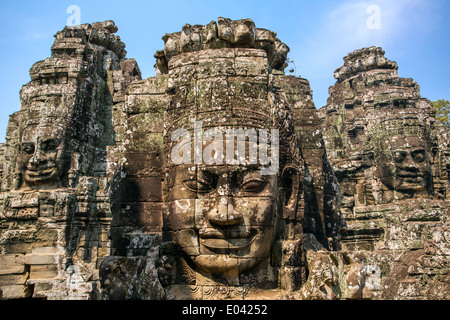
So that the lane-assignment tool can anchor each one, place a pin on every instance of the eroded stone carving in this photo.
(55, 211)
(386, 149)
(402, 157)
(114, 187)
(42, 158)
(227, 229)
(226, 218)
(224, 33)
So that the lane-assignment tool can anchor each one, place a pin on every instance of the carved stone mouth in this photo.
(410, 175)
(40, 174)
(232, 240)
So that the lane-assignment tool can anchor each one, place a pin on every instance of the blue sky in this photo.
(415, 34)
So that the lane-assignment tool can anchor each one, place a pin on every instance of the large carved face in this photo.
(223, 216)
(41, 156)
(404, 164)
(220, 212)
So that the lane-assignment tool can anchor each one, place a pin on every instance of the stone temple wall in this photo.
(94, 206)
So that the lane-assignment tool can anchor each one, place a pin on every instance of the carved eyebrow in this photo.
(49, 144)
(188, 175)
(250, 168)
(48, 140)
(25, 145)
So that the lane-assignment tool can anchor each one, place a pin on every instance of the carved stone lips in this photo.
(230, 240)
(40, 173)
(410, 176)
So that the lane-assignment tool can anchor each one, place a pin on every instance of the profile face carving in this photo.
(41, 157)
(404, 165)
(225, 215)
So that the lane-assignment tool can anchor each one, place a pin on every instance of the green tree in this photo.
(442, 108)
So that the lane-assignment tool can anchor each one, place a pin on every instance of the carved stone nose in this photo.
(35, 160)
(409, 164)
(224, 214)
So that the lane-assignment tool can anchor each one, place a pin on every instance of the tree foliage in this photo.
(442, 108)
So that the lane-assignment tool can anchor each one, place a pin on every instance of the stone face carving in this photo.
(227, 229)
(227, 219)
(403, 161)
(55, 210)
(41, 159)
(386, 150)
(379, 133)
(226, 239)
(218, 178)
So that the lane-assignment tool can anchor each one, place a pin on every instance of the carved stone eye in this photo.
(198, 186)
(49, 145)
(399, 156)
(418, 156)
(254, 185)
(28, 148)
(204, 183)
(205, 186)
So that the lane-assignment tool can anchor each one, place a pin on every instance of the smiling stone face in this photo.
(41, 157)
(223, 216)
(404, 164)
(233, 171)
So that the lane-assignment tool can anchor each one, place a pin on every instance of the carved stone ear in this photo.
(291, 180)
(17, 180)
(434, 153)
(368, 158)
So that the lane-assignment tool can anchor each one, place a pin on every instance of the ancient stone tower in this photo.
(59, 162)
(390, 158)
(218, 178)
